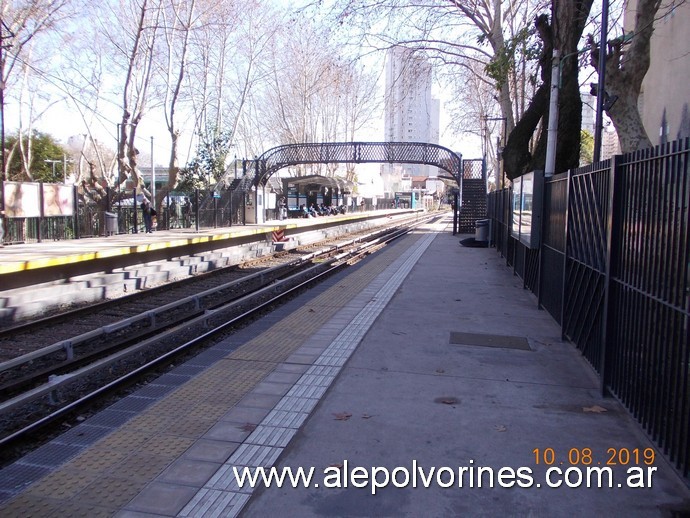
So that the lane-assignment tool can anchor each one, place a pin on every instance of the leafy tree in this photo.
(41, 147)
(586, 147)
(561, 31)
(208, 166)
(190, 178)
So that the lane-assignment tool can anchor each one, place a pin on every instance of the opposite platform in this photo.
(38, 277)
(32, 256)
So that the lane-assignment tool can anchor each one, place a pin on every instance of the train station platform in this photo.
(423, 381)
(35, 277)
(35, 256)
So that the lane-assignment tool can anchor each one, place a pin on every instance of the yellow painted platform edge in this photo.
(48, 262)
(89, 256)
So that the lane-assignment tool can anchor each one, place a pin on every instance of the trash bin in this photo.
(110, 223)
(481, 232)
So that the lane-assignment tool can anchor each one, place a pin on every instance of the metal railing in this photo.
(90, 220)
(614, 271)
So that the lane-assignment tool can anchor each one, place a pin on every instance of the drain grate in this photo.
(486, 340)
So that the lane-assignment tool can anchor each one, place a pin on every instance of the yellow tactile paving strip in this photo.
(105, 477)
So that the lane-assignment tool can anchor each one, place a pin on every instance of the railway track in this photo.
(149, 330)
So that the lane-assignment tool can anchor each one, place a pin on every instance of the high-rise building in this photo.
(588, 112)
(609, 137)
(411, 114)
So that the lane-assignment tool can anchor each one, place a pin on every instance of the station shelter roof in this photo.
(326, 181)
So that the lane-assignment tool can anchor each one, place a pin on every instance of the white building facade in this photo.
(664, 101)
(411, 114)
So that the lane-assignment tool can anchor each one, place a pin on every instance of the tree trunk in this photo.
(624, 72)
(568, 21)
(516, 154)
(625, 116)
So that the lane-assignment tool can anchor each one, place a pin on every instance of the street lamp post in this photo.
(53, 162)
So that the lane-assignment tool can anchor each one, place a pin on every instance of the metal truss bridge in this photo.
(470, 175)
(357, 153)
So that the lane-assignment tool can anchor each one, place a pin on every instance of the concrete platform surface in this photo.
(29, 256)
(410, 400)
(422, 382)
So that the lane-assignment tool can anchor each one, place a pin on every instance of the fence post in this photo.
(507, 219)
(75, 208)
(196, 209)
(540, 261)
(564, 285)
(455, 212)
(613, 222)
(215, 210)
(230, 204)
(134, 205)
(41, 211)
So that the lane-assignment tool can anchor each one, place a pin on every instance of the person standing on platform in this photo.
(187, 213)
(178, 214)
(282, 208)
(174, 220)
(146, 210)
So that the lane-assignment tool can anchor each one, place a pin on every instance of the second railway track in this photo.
(51, 379)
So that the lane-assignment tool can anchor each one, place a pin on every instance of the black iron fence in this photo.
(124, 216)
(613, 269)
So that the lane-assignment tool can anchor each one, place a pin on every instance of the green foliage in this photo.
(586, 147)
(190, 179)
(522, 46)
(43, 147)
(209, 163)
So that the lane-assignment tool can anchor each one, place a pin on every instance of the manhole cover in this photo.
(486, 340)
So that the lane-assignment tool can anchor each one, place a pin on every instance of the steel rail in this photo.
(151, 316)
(333, 264)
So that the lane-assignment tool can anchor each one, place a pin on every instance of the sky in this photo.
(62, 122)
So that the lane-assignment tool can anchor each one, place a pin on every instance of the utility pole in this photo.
(602, 77)
(552, 140)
